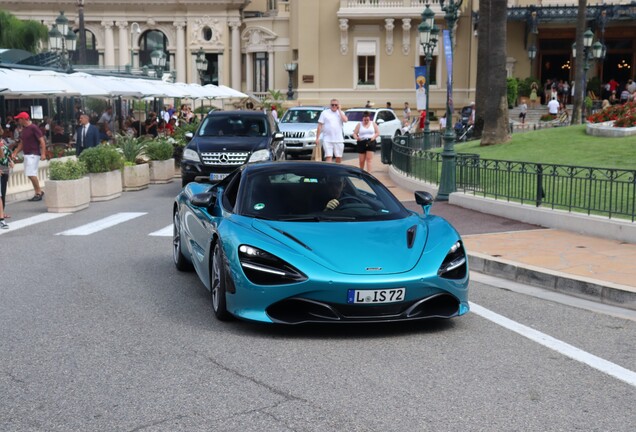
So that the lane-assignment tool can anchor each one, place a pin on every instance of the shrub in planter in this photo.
(68, 189)
(130, 147)
(102, 158)
(160, 151)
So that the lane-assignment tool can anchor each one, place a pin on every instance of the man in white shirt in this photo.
(553, 107)
(330, 126)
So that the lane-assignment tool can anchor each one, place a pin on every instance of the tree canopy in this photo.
(18, 34)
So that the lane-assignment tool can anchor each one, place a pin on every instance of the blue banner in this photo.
(420, 87)
(448, 52)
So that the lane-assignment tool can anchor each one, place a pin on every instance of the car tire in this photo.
(217, 284)
(180, 261)
(185, 180)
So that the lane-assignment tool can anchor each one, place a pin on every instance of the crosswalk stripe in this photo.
(101, 224)
(23, 223)
(163, 232)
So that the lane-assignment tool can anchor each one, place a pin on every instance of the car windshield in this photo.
(311, 194)
(233, 125)
(356, 115)
(301, 116)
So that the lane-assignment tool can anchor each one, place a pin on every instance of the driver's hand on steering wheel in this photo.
(332, 204)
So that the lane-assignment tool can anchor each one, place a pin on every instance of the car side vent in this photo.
(410, 236)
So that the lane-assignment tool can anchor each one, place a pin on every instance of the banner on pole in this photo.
(420, 87)
(448, 52)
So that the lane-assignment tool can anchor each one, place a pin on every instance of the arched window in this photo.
(92, 56)
(150, 41)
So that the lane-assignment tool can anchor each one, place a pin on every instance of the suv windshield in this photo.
(301, 116)
(233, 125)
(357, 115)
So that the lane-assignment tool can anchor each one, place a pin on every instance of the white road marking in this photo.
(23, 223)
(567, 350)
(101, 224)
(164, 232)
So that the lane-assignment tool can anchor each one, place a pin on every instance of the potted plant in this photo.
(136, 172)
(160, 151)
(68, 190)
(104, 164)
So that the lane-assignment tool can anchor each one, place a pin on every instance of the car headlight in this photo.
(191, 155)
(263, 268)
(454, 265)
(311, 133)
(259, 155)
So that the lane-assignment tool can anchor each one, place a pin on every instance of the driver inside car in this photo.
(335, 187)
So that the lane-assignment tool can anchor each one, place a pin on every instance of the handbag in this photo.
(316, 153)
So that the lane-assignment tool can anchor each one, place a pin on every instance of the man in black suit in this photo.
(87, 135)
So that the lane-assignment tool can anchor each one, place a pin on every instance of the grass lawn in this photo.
(563, 146)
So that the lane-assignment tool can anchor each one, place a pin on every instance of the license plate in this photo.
(217, 177)
(292, 142)
(376, 296)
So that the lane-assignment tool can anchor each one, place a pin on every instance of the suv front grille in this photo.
(224, 158)
(294, 134)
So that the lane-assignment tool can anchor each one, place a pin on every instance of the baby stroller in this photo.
(463, 127)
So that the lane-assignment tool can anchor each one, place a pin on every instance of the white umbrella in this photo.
(227, 91)
(207, 92)
(72, 86)
(19, 83)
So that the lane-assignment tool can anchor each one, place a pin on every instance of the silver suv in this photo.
(299, 125)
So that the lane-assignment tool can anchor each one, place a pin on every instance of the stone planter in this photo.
(135, 177)
(105, 186)
(66, 196)
(161, 171)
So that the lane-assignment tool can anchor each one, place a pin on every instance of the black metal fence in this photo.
(593, 191)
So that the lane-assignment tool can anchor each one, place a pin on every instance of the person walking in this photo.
(87, 135)
(523, 110)
(33, 145)
(365, 133)
(6, 163)
(330, 124)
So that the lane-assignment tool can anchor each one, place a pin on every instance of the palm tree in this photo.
(579, 86)
(491, 118)
(18, 34)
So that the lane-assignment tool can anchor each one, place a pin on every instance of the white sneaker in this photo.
(3, 224)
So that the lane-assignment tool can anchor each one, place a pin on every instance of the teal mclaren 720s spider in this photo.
(307, 242)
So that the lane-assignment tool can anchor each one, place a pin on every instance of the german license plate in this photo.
(217, 177)
(376, 296)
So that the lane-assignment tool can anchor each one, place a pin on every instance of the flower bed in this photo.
(623, 116)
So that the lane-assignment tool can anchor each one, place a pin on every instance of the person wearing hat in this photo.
(33, 145)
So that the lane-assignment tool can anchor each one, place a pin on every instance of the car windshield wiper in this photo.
(317, 218)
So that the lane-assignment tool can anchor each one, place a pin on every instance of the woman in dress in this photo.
(534, 88)
(366, 132)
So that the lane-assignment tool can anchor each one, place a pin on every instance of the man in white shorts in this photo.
(330, 126)
(33, 145)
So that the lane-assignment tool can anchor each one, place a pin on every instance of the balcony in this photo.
(357, 9)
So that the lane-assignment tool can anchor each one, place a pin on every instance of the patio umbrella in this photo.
(20, 84)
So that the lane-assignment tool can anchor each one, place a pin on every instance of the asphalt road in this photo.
(99, 332)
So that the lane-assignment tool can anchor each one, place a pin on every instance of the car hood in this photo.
(360, 248)
(349, 126)
(297, 127)
(229, 143)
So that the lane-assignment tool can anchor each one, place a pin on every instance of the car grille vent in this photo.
(224, 158)
(294, 134)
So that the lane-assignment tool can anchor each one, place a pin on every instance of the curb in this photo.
(590, 289)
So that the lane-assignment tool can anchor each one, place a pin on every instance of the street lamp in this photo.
(82, 33)
(532, 53)
(428, 39)
(202, 64)
(290, 68)
(134, 30)
(62, 40)
(447, 184)
(158, 59)
(591, 51)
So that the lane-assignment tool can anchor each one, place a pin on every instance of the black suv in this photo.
(226, 140)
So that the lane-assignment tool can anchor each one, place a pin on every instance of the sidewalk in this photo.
(588, 267)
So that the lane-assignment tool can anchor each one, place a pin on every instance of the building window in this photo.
(260, 72)
(92, 55)
(150, 41)
(366, 62)
(433, 72)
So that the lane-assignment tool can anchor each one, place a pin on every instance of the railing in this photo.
(593, 191)
(385, 3)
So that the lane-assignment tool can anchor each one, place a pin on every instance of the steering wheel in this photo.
(350, 199)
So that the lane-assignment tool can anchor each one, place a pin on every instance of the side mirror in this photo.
(424, 199)
(278, 136)
(380, 121)
(204, 199)
(188, 136)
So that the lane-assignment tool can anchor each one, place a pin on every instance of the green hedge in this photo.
(159, 149)
(103, 158)
(71, 169)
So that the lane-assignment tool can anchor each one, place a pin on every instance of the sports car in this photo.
(299, 242)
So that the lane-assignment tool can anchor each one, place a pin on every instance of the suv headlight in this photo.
(259, 155)
(311, 133)
(191, 155)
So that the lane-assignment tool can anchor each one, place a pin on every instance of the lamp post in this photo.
(82, 33)
(62, 40)
(428, 39)
(202, 64)
(591, 51)
(158, 59)
(532, 53)
(447, 184)
(290, 68)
